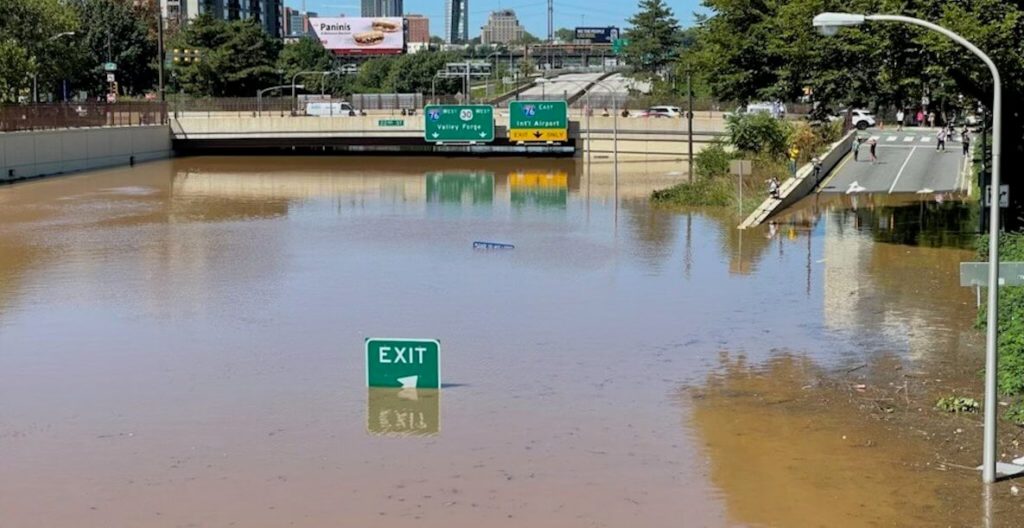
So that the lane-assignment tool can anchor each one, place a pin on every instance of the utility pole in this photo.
(160, 51)
(551, 29)
(689, 121)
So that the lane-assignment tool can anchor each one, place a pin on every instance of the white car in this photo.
(773, 109)
(862, 119)
(330, 109)
(664, 111)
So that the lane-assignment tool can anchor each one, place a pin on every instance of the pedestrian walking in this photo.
(794, 155)
(899, 119)
(920, 118)
(941, 136)
(931, 119)
(874, 155)
(856, 148)
(965, 140)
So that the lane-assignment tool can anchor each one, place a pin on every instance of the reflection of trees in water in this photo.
(19, 258)
(745, 247)
(925, 223)
(655, 230)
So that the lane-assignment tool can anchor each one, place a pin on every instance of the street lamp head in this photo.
(829, 24)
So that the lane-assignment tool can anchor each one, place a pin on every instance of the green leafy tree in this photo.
(415, 73)
(113, 33)
(237, 58)
(308, 54)
(654, 38)
(565, 35)
(28, 46)
(528, 39)
(758, 133)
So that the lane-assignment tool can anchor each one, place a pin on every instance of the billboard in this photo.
(359, 36)
(597, 35)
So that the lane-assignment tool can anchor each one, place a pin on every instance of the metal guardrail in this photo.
(81, 115)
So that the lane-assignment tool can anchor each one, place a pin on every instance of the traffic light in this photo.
(185, 55)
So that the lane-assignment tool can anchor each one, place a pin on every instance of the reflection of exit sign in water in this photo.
(403, 363)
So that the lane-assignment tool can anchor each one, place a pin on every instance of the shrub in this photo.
(759, 133)
(712, 161)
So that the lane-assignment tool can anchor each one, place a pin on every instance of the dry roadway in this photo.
(907, 163)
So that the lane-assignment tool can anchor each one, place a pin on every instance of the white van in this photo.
(339, 108)
(775, 109)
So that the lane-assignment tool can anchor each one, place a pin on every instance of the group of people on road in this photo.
(872, 148)
(947, 133)
(920, 119)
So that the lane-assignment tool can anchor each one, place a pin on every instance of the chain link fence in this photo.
(81, 115)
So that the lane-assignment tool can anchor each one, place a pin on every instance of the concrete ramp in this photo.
(794, 189)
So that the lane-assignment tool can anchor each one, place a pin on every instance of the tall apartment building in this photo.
(502, 28)
(382, 8)
(268, 13)
(456, 21)
(419, 29)
(296, 23)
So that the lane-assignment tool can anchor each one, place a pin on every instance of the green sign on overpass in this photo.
(458, 123)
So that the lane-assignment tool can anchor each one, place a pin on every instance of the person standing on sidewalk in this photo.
(920, 118)
(965, 140)
(899, 120)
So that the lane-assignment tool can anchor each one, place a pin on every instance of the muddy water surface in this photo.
(181, 345)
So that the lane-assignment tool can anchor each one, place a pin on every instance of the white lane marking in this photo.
(908, 139)
(900, 173)
(926, 139)
(891, 138)
(855, 188)
(873, 138)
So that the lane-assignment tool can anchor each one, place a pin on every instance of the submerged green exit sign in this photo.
(403, 363)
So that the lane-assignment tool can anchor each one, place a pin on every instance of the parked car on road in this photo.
(862, 119)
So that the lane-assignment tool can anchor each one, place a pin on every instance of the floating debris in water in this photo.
(491, 245)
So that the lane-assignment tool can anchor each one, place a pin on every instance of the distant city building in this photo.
(419, 29)
(502, 28)
(382, 8)
(268, 13)
(456, 21)
(296, 23)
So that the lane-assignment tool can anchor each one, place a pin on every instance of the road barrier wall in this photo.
(31, 154)
(806, 180)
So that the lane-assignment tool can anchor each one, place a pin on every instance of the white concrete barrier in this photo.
(794, 189)
(35, 153)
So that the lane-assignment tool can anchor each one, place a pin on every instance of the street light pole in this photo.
(829, 23)
(689, 122)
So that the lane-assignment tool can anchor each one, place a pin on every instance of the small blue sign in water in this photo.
(491, 245)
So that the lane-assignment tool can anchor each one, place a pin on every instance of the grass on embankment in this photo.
(714, 186)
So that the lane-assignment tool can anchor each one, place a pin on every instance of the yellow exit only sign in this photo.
(538, 134)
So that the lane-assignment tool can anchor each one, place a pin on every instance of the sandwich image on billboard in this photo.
(360, 36)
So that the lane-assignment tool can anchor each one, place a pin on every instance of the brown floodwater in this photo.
(181, 344)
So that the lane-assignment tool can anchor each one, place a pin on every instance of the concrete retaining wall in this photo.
(795, 189)
(45, 152)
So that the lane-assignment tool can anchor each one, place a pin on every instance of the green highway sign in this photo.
(538, 121)
(619, 44)
(390, 122)
(403, 363)
(458, 123)
(109, 66)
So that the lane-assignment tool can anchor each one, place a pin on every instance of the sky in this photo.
(532, 13)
